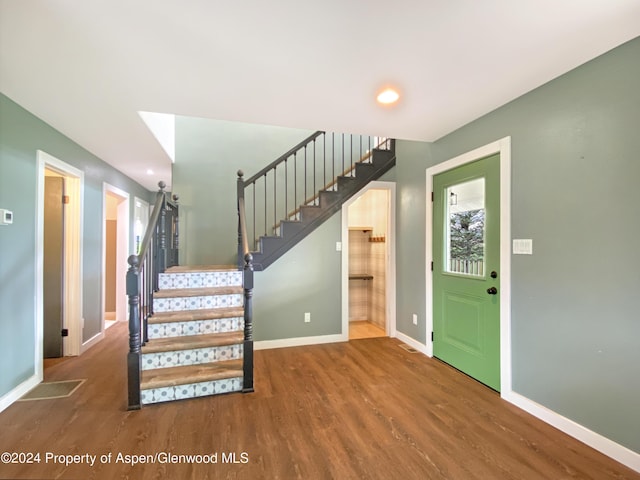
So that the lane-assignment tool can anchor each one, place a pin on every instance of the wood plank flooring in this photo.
(366, 409)
(364, 329)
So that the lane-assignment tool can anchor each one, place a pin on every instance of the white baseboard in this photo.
(8, 398)
(600, 443)
(299, 341)
(608, 447)
(91, 342)
(421, 347)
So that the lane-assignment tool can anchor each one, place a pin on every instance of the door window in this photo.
(465, 235)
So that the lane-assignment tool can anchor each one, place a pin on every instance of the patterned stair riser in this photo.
(196, 327)
(177, 304)
(191, 357)
(184, 353)
(170, 281)
(191, 390)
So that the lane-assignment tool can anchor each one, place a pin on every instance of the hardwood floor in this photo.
(364, 329)
(363, 409)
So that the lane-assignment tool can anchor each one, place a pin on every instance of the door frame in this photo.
(122, 252)
(503, 148)
(72, 281)
(390, 287)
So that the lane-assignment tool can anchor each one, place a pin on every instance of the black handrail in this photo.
(282, 187)
(153, 257)
(284, 156)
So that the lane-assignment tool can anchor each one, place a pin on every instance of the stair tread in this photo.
(182, 375)
(188, 342)
(191, 315)
(197, 292)
(201, 268)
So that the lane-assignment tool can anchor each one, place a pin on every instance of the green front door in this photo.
(466, 269)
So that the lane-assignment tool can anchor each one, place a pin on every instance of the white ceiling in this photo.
(87, 67)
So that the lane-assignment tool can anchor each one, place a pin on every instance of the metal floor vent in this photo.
(407, 348)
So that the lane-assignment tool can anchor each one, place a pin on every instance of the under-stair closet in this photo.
(368, 236)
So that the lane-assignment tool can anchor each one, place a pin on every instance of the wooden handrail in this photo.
(243, 227)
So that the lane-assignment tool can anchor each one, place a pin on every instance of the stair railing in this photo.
(294, 179)
(245, 260)
(158, 251)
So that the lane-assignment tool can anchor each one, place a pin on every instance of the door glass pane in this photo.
(465, 233)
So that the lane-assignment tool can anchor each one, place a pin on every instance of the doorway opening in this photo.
(59, 254)
(115, 253)
(53, 264)
(368, 263)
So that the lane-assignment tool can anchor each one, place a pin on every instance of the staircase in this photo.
(286, 231)
(195, 336)
(191, 328)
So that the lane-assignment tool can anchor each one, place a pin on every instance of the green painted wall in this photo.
(575, 173)
(306, 279)
(21, 135)
(412, 159)
(208, 155)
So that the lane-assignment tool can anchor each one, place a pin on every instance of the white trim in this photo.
(502, 147)
(390, 287)
(72, 315)
(145, 207)
(421, 347)
(39, 274)
(604, 445)
(123, 248)
(298, 342)
(15, 394)
(91, 342)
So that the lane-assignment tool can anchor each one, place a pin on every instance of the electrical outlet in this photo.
(338, 246)
(307, 317)
(415, 318)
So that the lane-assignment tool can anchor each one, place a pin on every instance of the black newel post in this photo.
(248, 325)
(162, 233)
(240, 194)
(176, 231)
(245, 260)
(134, 363)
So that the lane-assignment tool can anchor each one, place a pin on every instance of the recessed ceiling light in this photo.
(388, 96)
(149, 171)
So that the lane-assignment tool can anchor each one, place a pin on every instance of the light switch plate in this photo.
(6, 217)
(523, 246)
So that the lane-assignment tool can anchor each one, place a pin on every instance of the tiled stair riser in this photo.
(191, 357)
(191, 390)
(170, 281)
(195, 327)
(177, 304)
